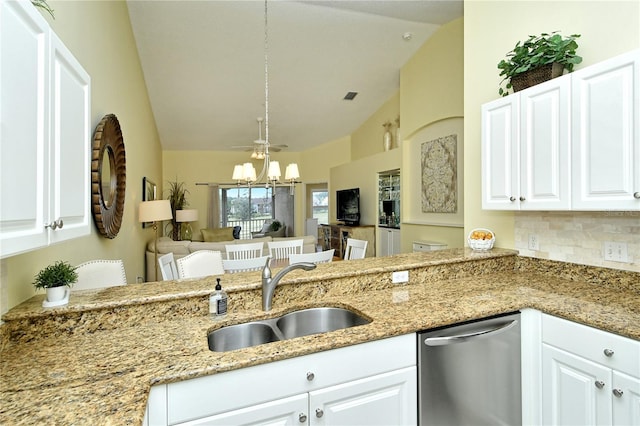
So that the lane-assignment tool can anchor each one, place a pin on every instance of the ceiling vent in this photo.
(350, 95)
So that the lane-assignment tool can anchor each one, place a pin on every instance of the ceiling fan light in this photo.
(254, 154)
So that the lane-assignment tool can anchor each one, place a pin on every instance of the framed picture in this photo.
(149, 189)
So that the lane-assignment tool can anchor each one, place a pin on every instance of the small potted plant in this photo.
(178, 200)
(56, 279)
(538, 59)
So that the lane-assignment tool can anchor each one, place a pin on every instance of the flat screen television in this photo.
(348, 206)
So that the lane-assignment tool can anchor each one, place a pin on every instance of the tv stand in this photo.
(334, 236)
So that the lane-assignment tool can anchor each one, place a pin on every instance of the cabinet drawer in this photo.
(591, 343)
(206, 396)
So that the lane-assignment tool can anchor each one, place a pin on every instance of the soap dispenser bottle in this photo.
(218, 301)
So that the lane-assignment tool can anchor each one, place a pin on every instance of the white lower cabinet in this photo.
(589, 377)
(369, 383)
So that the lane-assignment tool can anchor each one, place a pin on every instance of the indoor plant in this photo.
(537, 55)
(178, 200)
(54, 278)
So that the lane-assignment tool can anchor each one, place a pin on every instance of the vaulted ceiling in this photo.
(204, 65)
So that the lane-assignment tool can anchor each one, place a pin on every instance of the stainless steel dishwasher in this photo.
(469, 374)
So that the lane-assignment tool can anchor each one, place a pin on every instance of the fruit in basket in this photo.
(481, 235)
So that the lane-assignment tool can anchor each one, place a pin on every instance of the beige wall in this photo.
(431, 92)
(491, 28)
(99, 35)
(368, 138)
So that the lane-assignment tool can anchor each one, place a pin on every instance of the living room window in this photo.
(246, 206)
(320, 205)
(250, 207)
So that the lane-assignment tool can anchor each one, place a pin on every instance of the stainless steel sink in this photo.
(241, 336)
(317, 320)
(291, 325)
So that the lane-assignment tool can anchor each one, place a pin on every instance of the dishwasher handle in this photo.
(461, 338)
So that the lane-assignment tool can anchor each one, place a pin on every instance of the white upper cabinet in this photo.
(606, 135)
(571, 143)
(526, 148)
(44, 136)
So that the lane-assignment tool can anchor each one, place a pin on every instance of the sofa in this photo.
(183, 248)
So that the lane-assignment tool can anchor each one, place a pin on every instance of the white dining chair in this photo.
(200, 263)
(356, 249)
(244, 251)
(282, 249)
(316, 257)
(168, 267)
(100, 273)
(244, 265)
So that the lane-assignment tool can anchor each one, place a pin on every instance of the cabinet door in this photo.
(626, 399)
(281, 412)
(385, 399)
(24, 53)
(385, 245)
(500, 146)
(70, 144)
(575, 391)
(606, 135)
(545, 147)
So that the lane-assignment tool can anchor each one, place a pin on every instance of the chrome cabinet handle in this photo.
(512, 199)
(608, 352)
(319, 413)
(618, 392)
(310, 376)
(55, 224)
(636, 195)
(522, 199)
(599, 384)
(302, 417)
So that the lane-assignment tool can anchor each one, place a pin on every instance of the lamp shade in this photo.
(238, 172)
(249, 172)
(292, 172)
(154, 211)
(274, 170)
(187, 215)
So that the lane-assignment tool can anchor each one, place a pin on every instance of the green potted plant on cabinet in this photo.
(538, 59)
(56, 280)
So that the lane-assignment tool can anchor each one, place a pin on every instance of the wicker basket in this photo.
(481, 245)
(536, 76)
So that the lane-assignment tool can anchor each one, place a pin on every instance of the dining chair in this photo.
(168, 267)
(282, 249)
(243, 265)
(100, 273)
(317, 257)
(356, 249)
(244, 251)
(200, 263)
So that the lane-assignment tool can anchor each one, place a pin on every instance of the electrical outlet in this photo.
(616, 252)
(533, 242)
(400, 277)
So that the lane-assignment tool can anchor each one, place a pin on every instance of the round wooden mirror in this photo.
(108, 176)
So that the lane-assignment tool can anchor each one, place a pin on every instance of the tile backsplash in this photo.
(579, 237)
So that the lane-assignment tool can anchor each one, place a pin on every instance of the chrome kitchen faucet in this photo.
(269, 284)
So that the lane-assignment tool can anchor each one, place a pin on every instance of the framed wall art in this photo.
(149, 193)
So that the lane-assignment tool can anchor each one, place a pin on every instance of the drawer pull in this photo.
(319, 412)
(608, 352)
(599, 384)
(302, 418)
(512, 199)
(618, 392)
(310, 376)
(523, 199)
(636, 195)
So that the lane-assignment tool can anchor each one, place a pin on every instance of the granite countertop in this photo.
(93, 361)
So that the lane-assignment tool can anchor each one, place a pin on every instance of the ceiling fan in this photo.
(259, 145)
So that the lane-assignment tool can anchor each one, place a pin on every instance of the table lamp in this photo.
(185, 217)
(155, 211)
